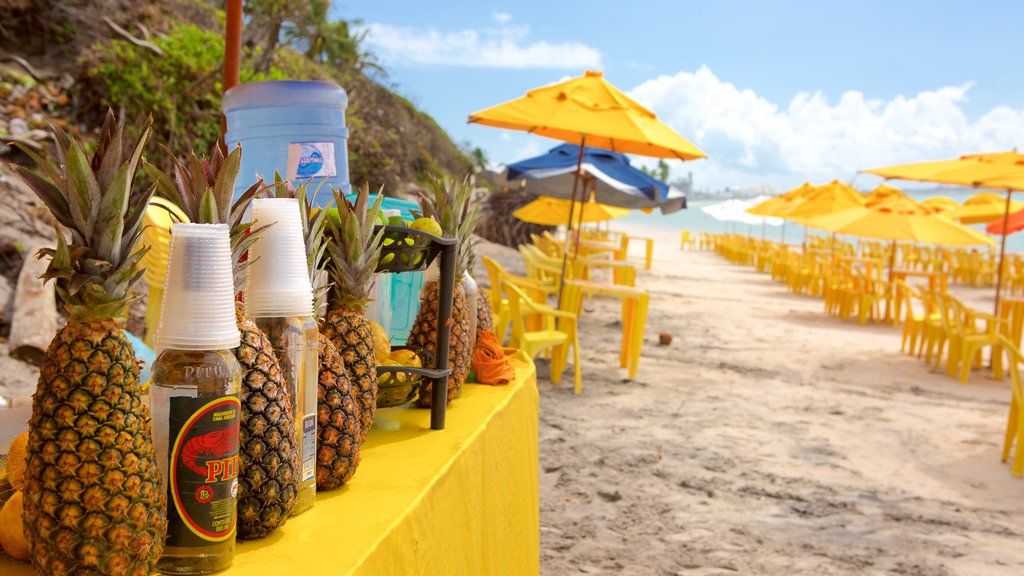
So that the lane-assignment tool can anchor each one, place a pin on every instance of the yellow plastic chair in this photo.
(915, 319)
(1015, 421)
(972, 339)
(546, 271)
(496, 273)
(559, 331)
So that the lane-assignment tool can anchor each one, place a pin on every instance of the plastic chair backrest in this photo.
(494, 274)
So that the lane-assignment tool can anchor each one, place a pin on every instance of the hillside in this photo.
(68, 60)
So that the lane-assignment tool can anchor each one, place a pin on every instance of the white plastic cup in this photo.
(199, 294)
(278, 279)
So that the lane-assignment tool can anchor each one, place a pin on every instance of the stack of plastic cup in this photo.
(278, 279)
(199, 293)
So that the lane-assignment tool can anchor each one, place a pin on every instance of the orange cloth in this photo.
(490, 362)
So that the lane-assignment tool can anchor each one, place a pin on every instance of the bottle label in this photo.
(311, 159)
(308, 447)
(203, 483)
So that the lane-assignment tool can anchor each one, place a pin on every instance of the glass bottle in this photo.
(295, 343)
(196, 414)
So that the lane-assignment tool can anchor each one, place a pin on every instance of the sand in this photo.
(768, 438)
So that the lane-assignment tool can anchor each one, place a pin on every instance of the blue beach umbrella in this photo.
(608, 174)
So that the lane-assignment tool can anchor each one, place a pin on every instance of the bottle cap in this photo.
(278, 279)
(198, 310)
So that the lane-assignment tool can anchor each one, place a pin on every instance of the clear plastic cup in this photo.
(199, 293)
(278, 280)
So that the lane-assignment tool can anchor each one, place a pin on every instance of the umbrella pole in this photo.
(572, 204)
(232, 50)
(892, 259)
(1002, 251)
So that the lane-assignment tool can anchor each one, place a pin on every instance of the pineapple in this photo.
(269, 474)
(484, 315)
(338, 424)
(450, 206)
(353, 251)
(93, 499)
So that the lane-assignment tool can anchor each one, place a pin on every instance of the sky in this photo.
(776, 93)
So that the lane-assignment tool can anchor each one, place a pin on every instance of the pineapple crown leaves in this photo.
(353, 248)
(97, 201)
(314, 230)
(203, 187)
(449, 202)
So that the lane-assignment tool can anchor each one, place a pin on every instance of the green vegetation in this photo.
(167, 60)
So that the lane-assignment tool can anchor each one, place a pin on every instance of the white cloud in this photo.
(502, 17)
(505, 136)
(751, 141)
(503, 47)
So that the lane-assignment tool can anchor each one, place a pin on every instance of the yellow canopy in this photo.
(900, 218)
(942, 203)
(555, 211)
(983, 208)
(826, 199)
(589, 110)
(1003, 170)
(780, 205)
(883, 193)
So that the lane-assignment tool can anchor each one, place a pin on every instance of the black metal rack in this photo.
(411, 250)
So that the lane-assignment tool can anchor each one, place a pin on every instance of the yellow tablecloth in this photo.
(463, 500)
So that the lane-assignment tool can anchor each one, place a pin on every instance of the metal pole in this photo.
(446, 291)
(1002, 251)
(572, 205)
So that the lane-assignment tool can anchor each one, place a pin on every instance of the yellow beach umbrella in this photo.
(883, 193)
(590, 111)
(826, 199)
(554, 211)
(1004, 170)
(942, 203)
(779, 206)
(900, 218)
(982, 208)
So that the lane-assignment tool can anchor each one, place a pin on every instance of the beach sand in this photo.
(768, 438)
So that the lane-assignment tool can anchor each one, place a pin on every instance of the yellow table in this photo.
(463, 500)
(648, 249)
(635, 303)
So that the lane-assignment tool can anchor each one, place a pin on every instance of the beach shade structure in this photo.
(899, 217)
(675, 200)
(589, 111)
(607, 175)
(1000, 170)
(779, 206)
(883, 193)
(942, 203)
(982, 208)
(1011, 225)
(825, 199)
(736, 210)
(554, 211)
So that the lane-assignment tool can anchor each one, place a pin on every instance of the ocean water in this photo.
(696, 220)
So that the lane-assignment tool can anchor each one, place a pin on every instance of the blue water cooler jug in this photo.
(405, 287)
(295, 128)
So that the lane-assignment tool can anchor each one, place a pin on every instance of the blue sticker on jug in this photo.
(311, 160)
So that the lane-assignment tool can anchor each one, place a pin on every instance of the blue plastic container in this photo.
(294, 128)
(405, 287)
